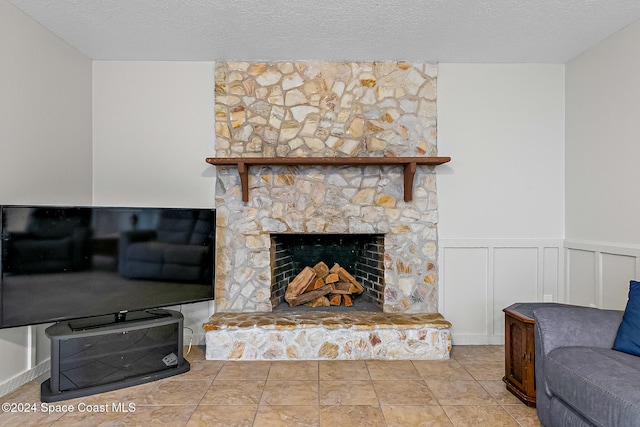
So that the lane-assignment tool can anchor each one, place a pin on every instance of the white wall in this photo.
(501, 199)
(602, 226)
(46, 115)
(503, 126)
(153, 128)
(45, 147)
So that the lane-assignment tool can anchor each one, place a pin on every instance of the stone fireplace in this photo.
(326, 110)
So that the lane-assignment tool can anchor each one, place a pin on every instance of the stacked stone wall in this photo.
(325, 109)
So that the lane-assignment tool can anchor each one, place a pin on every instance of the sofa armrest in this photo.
(571, 326)
(567, 326)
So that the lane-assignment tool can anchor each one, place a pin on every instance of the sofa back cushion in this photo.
(57, 223)
(176, 225)
(628, 336)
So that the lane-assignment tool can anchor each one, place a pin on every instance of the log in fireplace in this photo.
(359, 254)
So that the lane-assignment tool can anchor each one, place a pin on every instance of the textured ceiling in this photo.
(493, 31)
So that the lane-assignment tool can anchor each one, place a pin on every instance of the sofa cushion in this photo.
(601, 384)
(147, 251)
(176, 226)
(185, 254)
(628, 336)
(57, 223)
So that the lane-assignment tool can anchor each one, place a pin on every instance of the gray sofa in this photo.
(55, 240)
(175, 251)
(580, 380)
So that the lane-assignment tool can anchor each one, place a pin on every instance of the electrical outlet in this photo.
(547, 298)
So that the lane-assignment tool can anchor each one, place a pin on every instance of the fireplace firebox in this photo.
(360, 254)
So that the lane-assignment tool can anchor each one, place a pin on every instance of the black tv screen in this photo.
(62, 263)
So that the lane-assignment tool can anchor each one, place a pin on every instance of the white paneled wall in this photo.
(480, 277)
(599, 274)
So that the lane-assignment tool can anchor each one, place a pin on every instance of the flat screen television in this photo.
(98, 265)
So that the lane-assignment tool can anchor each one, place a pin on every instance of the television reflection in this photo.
(68, 262)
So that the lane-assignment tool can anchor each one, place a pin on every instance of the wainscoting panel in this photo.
(515, 279)
(551, 272)
(480, 277)
(466, 293)
(598, 274)
(581, 268)
(617, 271)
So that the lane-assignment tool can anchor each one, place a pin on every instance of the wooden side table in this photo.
(519, 361)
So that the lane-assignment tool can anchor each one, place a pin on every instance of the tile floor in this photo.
(464, 391)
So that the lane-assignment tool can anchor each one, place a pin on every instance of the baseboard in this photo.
(464, 339)
(23, 378)
(198, 338)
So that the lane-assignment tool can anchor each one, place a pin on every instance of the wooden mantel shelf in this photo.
(408, 163)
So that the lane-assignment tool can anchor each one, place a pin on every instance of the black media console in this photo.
(91, 357)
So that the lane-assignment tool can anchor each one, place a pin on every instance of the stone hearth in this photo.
(323, 335)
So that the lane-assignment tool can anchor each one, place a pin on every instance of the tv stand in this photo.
(147, 346)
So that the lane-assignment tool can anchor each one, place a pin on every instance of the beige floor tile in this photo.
(308, 393)
(177, 392)
(414, 416)
(474, 416)
(288, 416)
(524, 415)
(27, 419)
(392, 370)
(29, 392)
(483, 371)
(348, 393)
(351, 416)
(244, 370)
(227, 416)
(203, 369)
(496, 350)
(83, 419)
(477, 353)
(135, 394)
(159, 416)
(499, 392)
(197, 353)
(404, 392)
(290, 393)
(343, 369)
(442, 370)
(228, 392)
(303, 370)
(460, 393)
